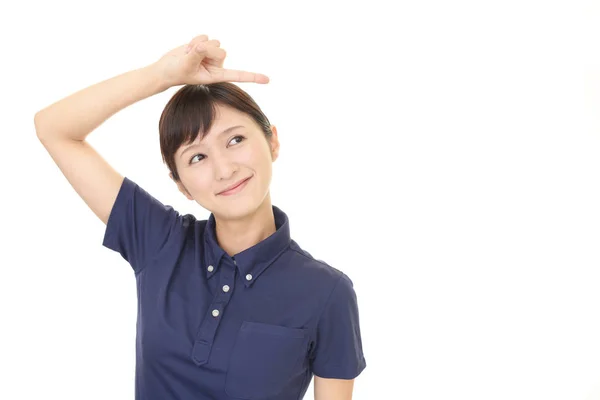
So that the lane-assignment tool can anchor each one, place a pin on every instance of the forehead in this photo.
(224, 119)
(223, 114)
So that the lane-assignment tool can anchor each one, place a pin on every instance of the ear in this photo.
(274, 143)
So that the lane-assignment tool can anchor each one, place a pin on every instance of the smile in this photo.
(236, 189)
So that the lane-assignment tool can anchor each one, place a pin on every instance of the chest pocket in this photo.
(264, 358)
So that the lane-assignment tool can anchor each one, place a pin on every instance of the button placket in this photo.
(208, 328)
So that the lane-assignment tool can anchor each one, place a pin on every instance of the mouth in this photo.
(235, 188)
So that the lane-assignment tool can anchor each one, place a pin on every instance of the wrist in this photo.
(155, 78)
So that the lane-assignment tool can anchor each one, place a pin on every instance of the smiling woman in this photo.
(218, 129)
(191, 112)
(230, 306)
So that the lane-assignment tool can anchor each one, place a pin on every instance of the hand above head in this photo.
(201, 62)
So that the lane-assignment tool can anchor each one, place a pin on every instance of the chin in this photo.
(236, 209)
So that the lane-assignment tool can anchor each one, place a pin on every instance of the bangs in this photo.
(191, 112)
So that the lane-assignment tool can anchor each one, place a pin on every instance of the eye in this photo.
(238, 136)
(242, 138)
(194, 156)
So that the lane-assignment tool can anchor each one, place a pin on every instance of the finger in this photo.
(213, 42)
(233, 75)
(214, 55)
(201, 39)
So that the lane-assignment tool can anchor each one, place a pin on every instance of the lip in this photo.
(237, 187)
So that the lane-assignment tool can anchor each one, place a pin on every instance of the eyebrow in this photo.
(222, 133)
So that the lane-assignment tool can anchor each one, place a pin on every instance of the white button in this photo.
(210, 268)
(215, 313)
(226, 288)
(248, 277)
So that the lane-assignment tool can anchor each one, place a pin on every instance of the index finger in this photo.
(234, 75)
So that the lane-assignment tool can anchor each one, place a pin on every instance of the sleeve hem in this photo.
(111, 233)
(340, 371)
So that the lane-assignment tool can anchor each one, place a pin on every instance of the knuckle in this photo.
(199, 38)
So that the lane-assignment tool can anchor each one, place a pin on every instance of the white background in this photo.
(444, 155)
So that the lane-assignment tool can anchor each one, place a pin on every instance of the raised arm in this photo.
(63, 126)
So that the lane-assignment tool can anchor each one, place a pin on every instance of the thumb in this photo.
(198, 51)
(208, 55)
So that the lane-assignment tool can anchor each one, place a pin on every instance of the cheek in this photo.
(198, 183)
(247, 157)
(249, 160)
(264, 166)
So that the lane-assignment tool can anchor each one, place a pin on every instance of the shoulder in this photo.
(321, 275)
(312, 263)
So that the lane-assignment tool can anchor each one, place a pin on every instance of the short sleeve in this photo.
(337, 351)
(139, 225)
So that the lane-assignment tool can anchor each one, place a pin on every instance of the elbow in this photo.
(42, 129)
(37, 123)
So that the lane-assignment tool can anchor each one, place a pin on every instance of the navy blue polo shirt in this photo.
(210, 326)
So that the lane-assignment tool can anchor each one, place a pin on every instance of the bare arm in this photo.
(63, 126)
(75, 116)
(200, 62)
(333, 389)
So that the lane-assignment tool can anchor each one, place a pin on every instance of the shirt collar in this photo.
(254, 260)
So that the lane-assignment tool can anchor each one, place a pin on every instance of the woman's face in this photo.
(222, 159)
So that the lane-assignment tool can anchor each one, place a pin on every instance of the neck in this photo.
(235, 236)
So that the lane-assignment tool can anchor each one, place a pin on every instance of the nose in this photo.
(223, 167)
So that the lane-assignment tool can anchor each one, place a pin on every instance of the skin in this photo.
(246, 218)
(333, 389)
(219, 161)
